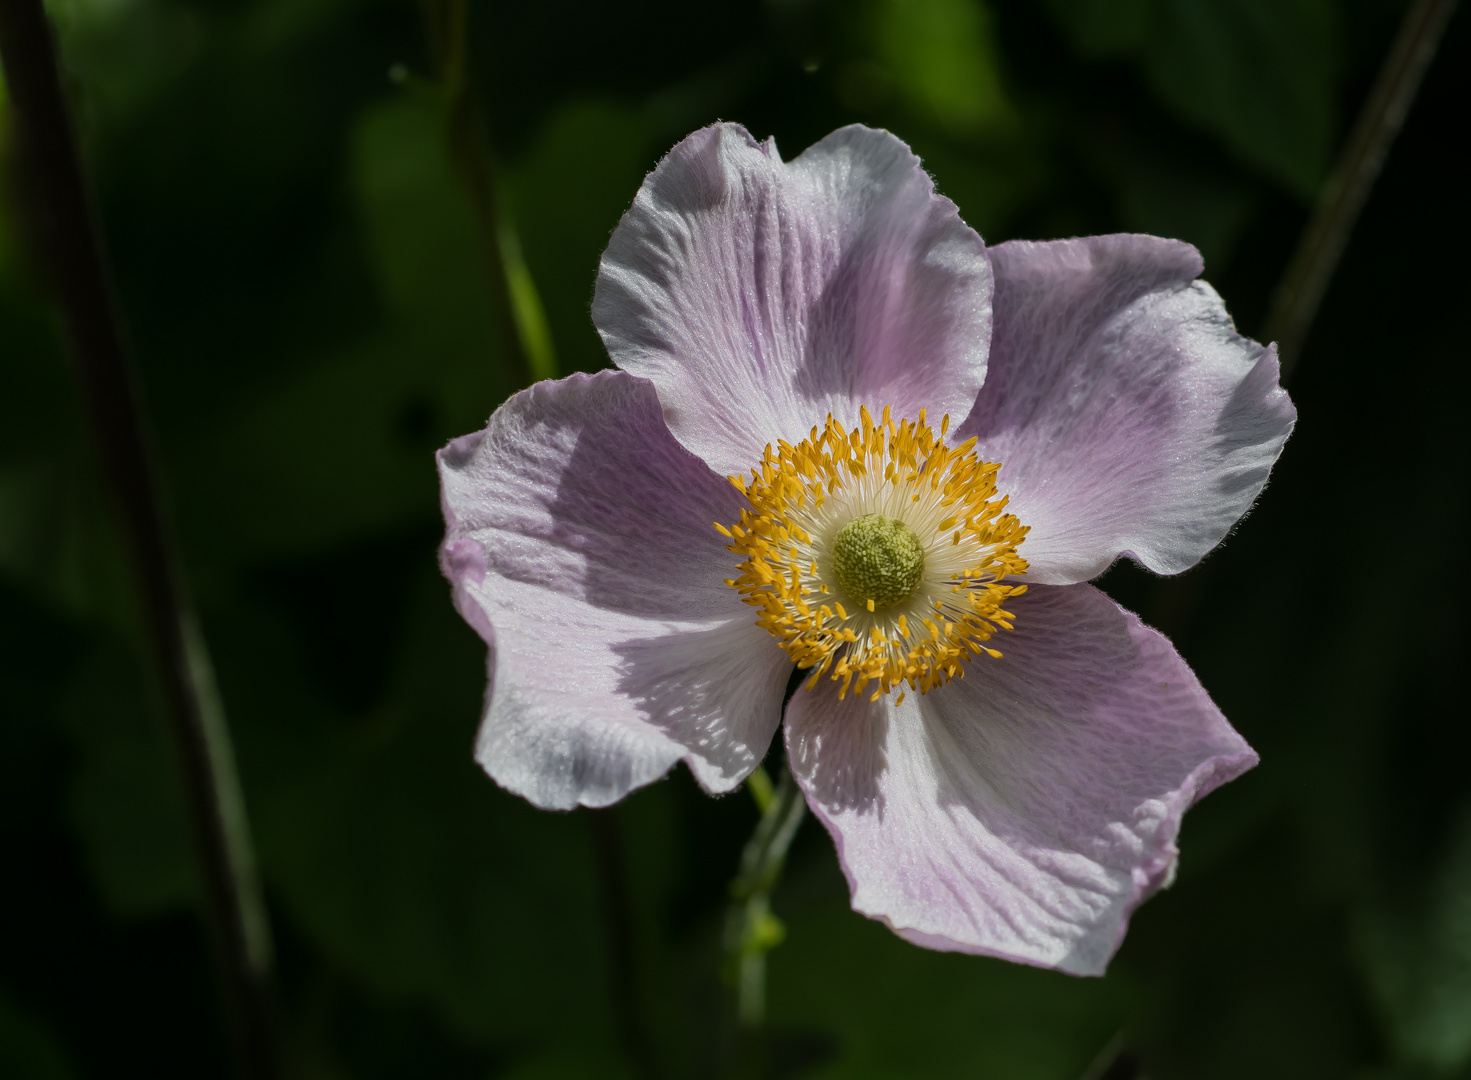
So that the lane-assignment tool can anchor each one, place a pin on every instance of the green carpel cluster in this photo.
(877, 558)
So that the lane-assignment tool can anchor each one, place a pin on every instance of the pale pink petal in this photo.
(1025, 810)
(580, 545)
(758, 295)
(1128, 414)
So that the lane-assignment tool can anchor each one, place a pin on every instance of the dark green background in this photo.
(303, 288)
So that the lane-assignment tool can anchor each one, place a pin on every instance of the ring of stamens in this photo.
(841, 512)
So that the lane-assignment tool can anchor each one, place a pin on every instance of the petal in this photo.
(1128, 415)
(759, 295)
(580, 547)
(1025, 810)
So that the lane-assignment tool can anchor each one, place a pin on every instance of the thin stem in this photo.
(751, 930)
(516, 305)
(64, 237)
(1300, 292)
(1114, 1062)
(1305, 281)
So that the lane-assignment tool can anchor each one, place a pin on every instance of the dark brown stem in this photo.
(59, 219)
(618, 926)
(1295, 302)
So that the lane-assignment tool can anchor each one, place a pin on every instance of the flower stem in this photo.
(63, 235)
(1296, 299)
(751, 930)
(517, 307)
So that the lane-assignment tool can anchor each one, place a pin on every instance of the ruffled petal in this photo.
(1025, 810)
(758, 295)
(580, 546)
(1128, 414)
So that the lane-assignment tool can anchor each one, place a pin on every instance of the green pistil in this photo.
(877, 558)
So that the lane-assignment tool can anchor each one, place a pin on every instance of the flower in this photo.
(1001, 754)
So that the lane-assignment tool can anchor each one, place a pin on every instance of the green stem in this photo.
(62, 229)
(517, 306)
(751, 930)
(1304, 283)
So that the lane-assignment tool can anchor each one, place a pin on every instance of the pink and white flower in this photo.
(843, 431)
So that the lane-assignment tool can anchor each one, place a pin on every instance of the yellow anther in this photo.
(802, 496)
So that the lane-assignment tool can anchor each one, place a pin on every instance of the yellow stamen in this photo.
(802, 496)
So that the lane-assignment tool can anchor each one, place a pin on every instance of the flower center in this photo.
(877, 561)
(909, 531)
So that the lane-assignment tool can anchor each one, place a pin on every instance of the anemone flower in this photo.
(845, 434)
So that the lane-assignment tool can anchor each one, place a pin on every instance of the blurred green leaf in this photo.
(55, 534)
(338, 450)
(1418, 957)
(124, 53)
(1167, 194)
(274, 25)
(341, 446)
(938, 58)
(57, 537)
(58, 540)
(1261, 75)
(942, 57)
(421, 227)
(567, 192)
(125, 799)
(989, 190)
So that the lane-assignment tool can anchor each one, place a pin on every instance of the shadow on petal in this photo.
(839, 756)
(638, 508)
(716, 691)
(1024, 810)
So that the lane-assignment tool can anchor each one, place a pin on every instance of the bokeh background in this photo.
(305, 292)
